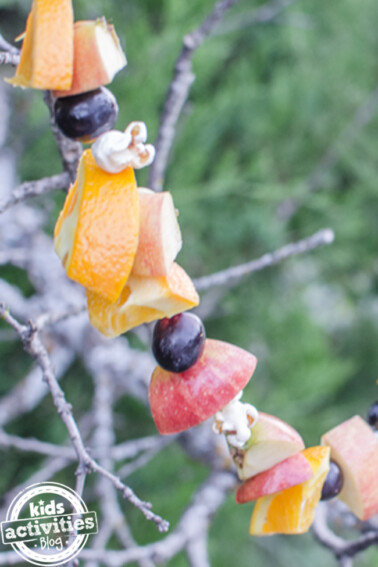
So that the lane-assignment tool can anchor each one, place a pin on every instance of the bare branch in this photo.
(196, 551)
(340, 547)
(6, 46)
(27, 393)
(7, 58)
(145, 458)
(235, 273)
(194, 521)
(179, 90)
(35, 446)
(70, 151)
(34, 346)
(36, 189)
(52, 318)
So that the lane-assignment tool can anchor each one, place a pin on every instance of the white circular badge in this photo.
(48, 524)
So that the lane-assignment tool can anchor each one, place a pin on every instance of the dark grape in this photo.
(372, 416)
(333, 483)
(178, 342)
(85, 116)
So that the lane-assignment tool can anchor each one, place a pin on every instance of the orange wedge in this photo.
(143, 300)
(96, 235)
(47, 52)
(292, 511)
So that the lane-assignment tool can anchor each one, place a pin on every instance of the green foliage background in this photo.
(270, 100)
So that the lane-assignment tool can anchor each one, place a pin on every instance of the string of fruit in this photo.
(120, 242)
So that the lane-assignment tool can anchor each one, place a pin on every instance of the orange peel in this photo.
(96, 235)
(143, 299)
(46, 60)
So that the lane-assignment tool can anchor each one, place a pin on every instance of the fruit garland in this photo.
(120, 242)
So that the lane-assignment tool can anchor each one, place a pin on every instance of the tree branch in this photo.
(8, 58)
(235, 273)
(34, 346)
(70, 151)
(36, 189)
(178, 92)
(341, 548)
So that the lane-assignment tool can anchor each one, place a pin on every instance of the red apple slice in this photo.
(272, 441)
(287, 473)
(354, 447)
(159, 234)
(181, 400)
(98, 56)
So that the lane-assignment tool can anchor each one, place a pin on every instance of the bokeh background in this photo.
(278, 139)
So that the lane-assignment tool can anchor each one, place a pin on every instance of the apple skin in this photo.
(287, 473)
(98, 56)
(181, 400)
(354, 447)
(159, 234)
(272, 441)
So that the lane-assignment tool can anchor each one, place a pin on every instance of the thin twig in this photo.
(7, 58)
(33, 345)
(178, 92)
(235, 273)
(36, 189)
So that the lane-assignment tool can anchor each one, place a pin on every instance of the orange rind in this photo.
(292, 511)
(143, 300)
(46, 60)
(96, 235)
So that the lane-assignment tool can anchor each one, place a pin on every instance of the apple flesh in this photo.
(98, 56)
(181, 400)
(287, 473)
(159, 234)
(272, 441)
(143, 300)
(354, 447)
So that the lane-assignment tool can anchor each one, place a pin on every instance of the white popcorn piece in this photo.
(115, 150)
(236, 421)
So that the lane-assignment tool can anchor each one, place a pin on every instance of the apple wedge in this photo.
(96, 235)
(271, 442)
(143, 300)
(181, 400)
(159, 235)
(354, 447)
(97, 57)
(287, 473)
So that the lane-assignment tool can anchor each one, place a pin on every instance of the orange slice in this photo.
(47, 52)
(96, 235)
(292, 511)
(143, 300)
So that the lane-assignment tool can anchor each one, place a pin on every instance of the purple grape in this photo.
(85, 116)
(333, 483)
(178, 342)
(372, 416)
